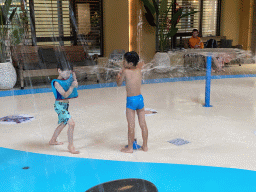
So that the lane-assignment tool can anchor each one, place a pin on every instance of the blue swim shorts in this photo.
(61, 109)
(135, 102)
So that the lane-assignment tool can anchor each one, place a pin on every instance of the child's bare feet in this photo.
(144, 149)
(127, 150)
(55, 143)
(72, 150)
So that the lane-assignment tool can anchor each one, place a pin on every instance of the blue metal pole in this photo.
(208, 82)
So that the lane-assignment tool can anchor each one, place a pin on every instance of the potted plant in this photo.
(167, 26)
(9, 34)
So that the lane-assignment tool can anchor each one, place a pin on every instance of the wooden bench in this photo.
(41, 61)
(205, 39)
(216, 38)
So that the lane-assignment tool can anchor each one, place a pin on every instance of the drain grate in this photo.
(178, 142)
(25, 168)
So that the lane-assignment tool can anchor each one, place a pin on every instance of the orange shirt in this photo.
(196, 41)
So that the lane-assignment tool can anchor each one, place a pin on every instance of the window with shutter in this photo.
(52, 22)
(209, 22)
(88, 14)
(187, 24)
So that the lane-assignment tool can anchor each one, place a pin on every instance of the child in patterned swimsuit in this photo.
(62, 103)
(132, 75)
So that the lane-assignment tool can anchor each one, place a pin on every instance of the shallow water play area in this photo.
(218, 149)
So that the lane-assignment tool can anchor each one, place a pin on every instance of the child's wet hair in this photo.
(64, 66)
(195, 30)
(132, 57)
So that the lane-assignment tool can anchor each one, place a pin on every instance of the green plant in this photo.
(95, 19)
(167, 27)
(8, 31)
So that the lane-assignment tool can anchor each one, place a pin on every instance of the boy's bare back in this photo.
(133, 81)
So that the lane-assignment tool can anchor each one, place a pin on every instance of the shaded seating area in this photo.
(223, 53)
(196, 58)
(41, 61)
(222, 42)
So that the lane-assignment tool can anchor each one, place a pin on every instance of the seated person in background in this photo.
(195, 41)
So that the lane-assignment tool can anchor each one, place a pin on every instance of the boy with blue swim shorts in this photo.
(64, 88)
(131, 74)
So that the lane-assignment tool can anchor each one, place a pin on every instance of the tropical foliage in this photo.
(8, 31)
(167, 27)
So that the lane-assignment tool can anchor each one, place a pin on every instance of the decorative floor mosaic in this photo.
(178, 142)
(16, 119)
